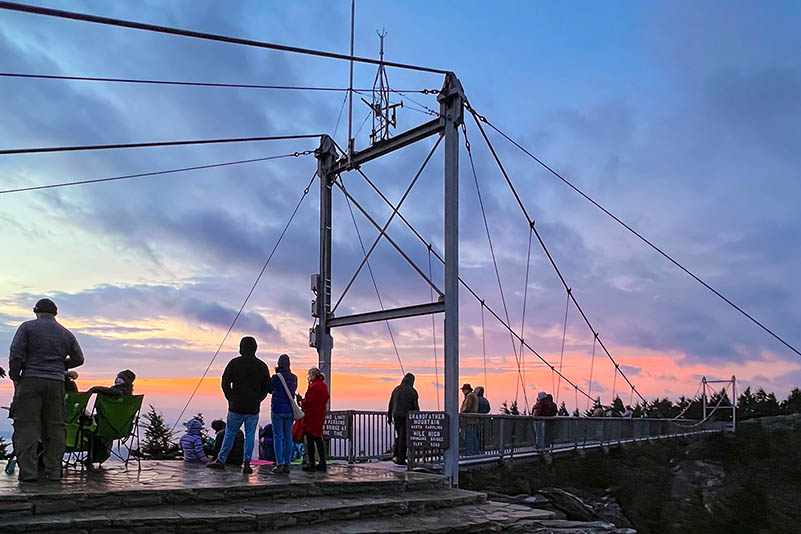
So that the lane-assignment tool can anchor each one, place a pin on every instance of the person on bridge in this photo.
(483, 403)
(245, 384)
(404, 399)
(545, 406)
(314, 409)
(41, 351)
(283, 382)
(470, 401)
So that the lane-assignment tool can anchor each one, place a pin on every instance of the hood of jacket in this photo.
(283, 363)
(408, 379)
(479, 391)
(194, 427)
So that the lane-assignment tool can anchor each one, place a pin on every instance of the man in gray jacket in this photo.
(42, 350)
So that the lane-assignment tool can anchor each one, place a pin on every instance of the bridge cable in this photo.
(461, 280)
(247, 298)
(562, 351)
(640, 236)
(85, 17)
(40, 150)
(523, 315)
(195, 84)
(614, 383)
(530, 222)
(375, 285)
(383, 230)
(433, 328)
(495, 265)
(154, 173)
(592, 364)
(388, 238)
(484, 346)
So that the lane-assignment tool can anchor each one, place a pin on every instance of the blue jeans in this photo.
(282, 437)
(232, 425)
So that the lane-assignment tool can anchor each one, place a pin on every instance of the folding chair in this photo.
(117, 419)
(78, 428)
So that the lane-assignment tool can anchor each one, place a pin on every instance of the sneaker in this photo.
(246, 469)
(216, 464)
(277, 470)
(396, 461)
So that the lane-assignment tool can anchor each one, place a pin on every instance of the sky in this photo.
(682, 118)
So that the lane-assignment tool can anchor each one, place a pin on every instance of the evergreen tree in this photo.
(4, 455)
(793, 402)
(595, 404)
(617, 407)
(576, 413)
(563, 410)
(159, 442)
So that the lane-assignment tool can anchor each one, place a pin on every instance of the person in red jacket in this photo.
(314, 406)
(545, 405)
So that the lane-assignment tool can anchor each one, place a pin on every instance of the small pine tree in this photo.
(510, 409)
(576, 413)
(617, 407)
(159, 443)
(4, 455)
(563, 410)
(595, 405)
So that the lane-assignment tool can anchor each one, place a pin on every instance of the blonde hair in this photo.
(314, 372)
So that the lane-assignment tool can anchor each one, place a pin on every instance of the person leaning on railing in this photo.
(404, 399)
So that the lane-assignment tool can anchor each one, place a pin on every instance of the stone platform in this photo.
(173, 497)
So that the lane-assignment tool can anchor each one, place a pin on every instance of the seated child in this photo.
(192, 443)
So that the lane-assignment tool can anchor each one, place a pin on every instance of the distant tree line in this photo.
(749, 405)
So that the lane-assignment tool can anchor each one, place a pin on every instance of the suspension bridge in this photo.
(452, 125)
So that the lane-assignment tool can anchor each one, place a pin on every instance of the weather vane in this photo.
(383, 111)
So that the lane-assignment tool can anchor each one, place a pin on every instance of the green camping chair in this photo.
(78, 427)
(117, 419)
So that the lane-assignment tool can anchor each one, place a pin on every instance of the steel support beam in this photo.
(451, 101)
(326, 158)
(385, 147)
(383, 315)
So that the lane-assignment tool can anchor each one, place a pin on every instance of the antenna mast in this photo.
(383, 111)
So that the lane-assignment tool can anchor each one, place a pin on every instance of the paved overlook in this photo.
(173, 497)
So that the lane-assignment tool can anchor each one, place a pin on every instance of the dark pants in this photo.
(38, 412)
(400, 438)
(311, 442)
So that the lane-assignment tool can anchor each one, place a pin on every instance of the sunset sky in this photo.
(680, 117)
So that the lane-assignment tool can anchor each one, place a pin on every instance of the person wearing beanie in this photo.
(41, 351)
(245, 384)
(282, 415)
(192, 443)
(123, 385)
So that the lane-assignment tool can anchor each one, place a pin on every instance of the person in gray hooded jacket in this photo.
(41, 351)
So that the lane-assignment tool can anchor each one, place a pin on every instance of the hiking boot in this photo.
(246, 469)
(216, 464)
(277, 470)
(322, 466)
(286, 469)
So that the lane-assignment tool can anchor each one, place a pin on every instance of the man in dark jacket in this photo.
(245, 383)
(404, 399)
(237, 451)
(42, 350)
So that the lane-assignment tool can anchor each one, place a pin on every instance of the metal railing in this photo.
(493, 438)
(369, 437)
